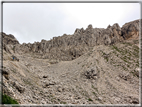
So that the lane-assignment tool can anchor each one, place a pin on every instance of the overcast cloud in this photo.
(30, 22)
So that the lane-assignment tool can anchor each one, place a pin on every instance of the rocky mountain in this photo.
(91, 66)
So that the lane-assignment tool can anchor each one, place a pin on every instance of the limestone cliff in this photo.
(69, 47)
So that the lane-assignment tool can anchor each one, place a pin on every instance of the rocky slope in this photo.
(92, 66)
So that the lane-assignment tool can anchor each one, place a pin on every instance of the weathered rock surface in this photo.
(9, 39)
(5, 73)
(92, 66)
(131, 30)
(69, 47)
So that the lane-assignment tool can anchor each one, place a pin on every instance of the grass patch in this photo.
(8, 100)
(94, 88)
(137, 64)
(94, 93)
(62, 102)
(90, 99)
(135, 73)
(105, 56)
(127, 43)
(125, 68)
(114, 47)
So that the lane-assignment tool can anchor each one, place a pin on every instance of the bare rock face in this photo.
(131, 30)
(20, 88)
(9, 42)
(70, 47)
(9, 39)
(5, 73)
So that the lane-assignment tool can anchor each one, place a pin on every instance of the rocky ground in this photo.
(104, 74)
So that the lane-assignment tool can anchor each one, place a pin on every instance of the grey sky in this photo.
(30, 22)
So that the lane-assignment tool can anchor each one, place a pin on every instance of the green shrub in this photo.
(8, 100)
(90, 99)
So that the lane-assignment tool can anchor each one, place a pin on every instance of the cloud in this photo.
(30, 22)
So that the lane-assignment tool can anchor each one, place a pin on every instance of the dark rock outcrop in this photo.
(20, 88)
(5, 73)
(131, 30)
(9, 39)
(91, 74)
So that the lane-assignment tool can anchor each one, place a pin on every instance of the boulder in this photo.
(5, 73)
(20, 88)
(91, 73)
(131, 30)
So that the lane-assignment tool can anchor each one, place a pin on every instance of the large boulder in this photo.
(131, 30)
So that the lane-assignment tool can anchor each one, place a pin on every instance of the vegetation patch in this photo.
(114, 47)
(90, 99)
(94, 93)
(136, 51)
(8, 100)
(94, 88)
(127, 43)
(135, 73)
(62, 102)
(105, 56)
(125, 68)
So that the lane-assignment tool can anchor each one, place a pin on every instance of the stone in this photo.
(100, 98)
(135, 101)
(48, 84)
(91, 73)
(59, 89)
(131, 30)
(5, 73)
(45, 76)
(20, 88)
(126, 77)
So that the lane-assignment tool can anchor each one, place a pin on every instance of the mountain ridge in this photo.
(69, 47)
(92, 66)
